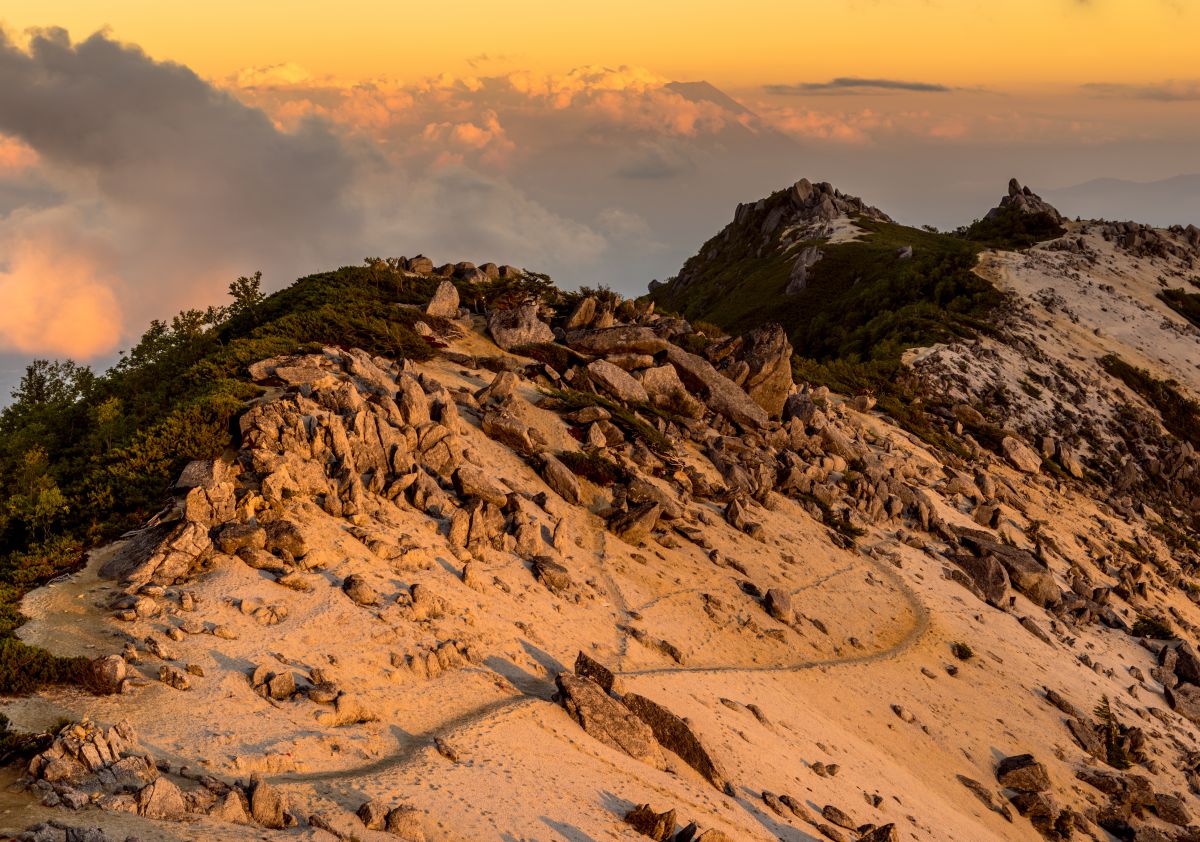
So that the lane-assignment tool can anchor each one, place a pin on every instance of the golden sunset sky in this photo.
(1006, 43)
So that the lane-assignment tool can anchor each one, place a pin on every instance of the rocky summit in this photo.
(851, 531)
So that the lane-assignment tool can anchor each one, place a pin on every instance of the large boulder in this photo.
(988, 574)
(1184, 700)
(1025, 572)
(667, 392)
(159, 554)
(518, 326)
(606, 719)
(1021, 772)
(444, 303)
(1029, 576)
(266, 803)
(108, 674)
(161, 799)
(721, 394)
(1020, 455)
(420, 264)
(472, 481)
(769, 355)
(622, 339)
(582, 315)
(616, 381)
(778, 603)
(675, 734)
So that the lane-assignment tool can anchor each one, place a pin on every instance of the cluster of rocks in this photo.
(1024, 200)
(1178, 671)
(88, 765)
(1027, 786)
(1147, 241)
(832, 822)
(463, 271)
(404, 821)
(1129, 802)
(662, 827)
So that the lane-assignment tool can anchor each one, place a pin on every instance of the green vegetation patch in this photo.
(1180, 414)
(1153, 628)
(863, 306)
(90, 456)
(1011, 229)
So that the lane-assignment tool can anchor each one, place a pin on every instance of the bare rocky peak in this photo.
(805, 203)
(1026, 201)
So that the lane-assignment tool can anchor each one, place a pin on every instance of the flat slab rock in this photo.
(606, 719)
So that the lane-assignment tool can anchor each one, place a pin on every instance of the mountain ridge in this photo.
(449, 541)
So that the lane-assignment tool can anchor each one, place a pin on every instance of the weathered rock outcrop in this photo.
(1024, 200)
(608, 720)
(518, 326)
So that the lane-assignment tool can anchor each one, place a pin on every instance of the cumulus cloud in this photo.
(58, 290)
(186, 185)
(854, 85)
(166, 187)
(485, 139)
(458, 211)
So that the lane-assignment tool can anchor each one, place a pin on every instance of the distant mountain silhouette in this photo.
(1166, 202)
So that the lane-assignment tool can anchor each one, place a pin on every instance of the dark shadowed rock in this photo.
(987, 574)
(608, 720)
(883, 833)
(778, 603)
(593, 669)
(676, 735)
(658, 826)
(1022, 772)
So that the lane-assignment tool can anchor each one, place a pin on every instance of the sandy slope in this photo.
(526, 771)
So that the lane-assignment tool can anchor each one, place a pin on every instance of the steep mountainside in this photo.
(537, 565)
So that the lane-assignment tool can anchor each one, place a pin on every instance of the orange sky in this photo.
(1010, 44)
(547, 135)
